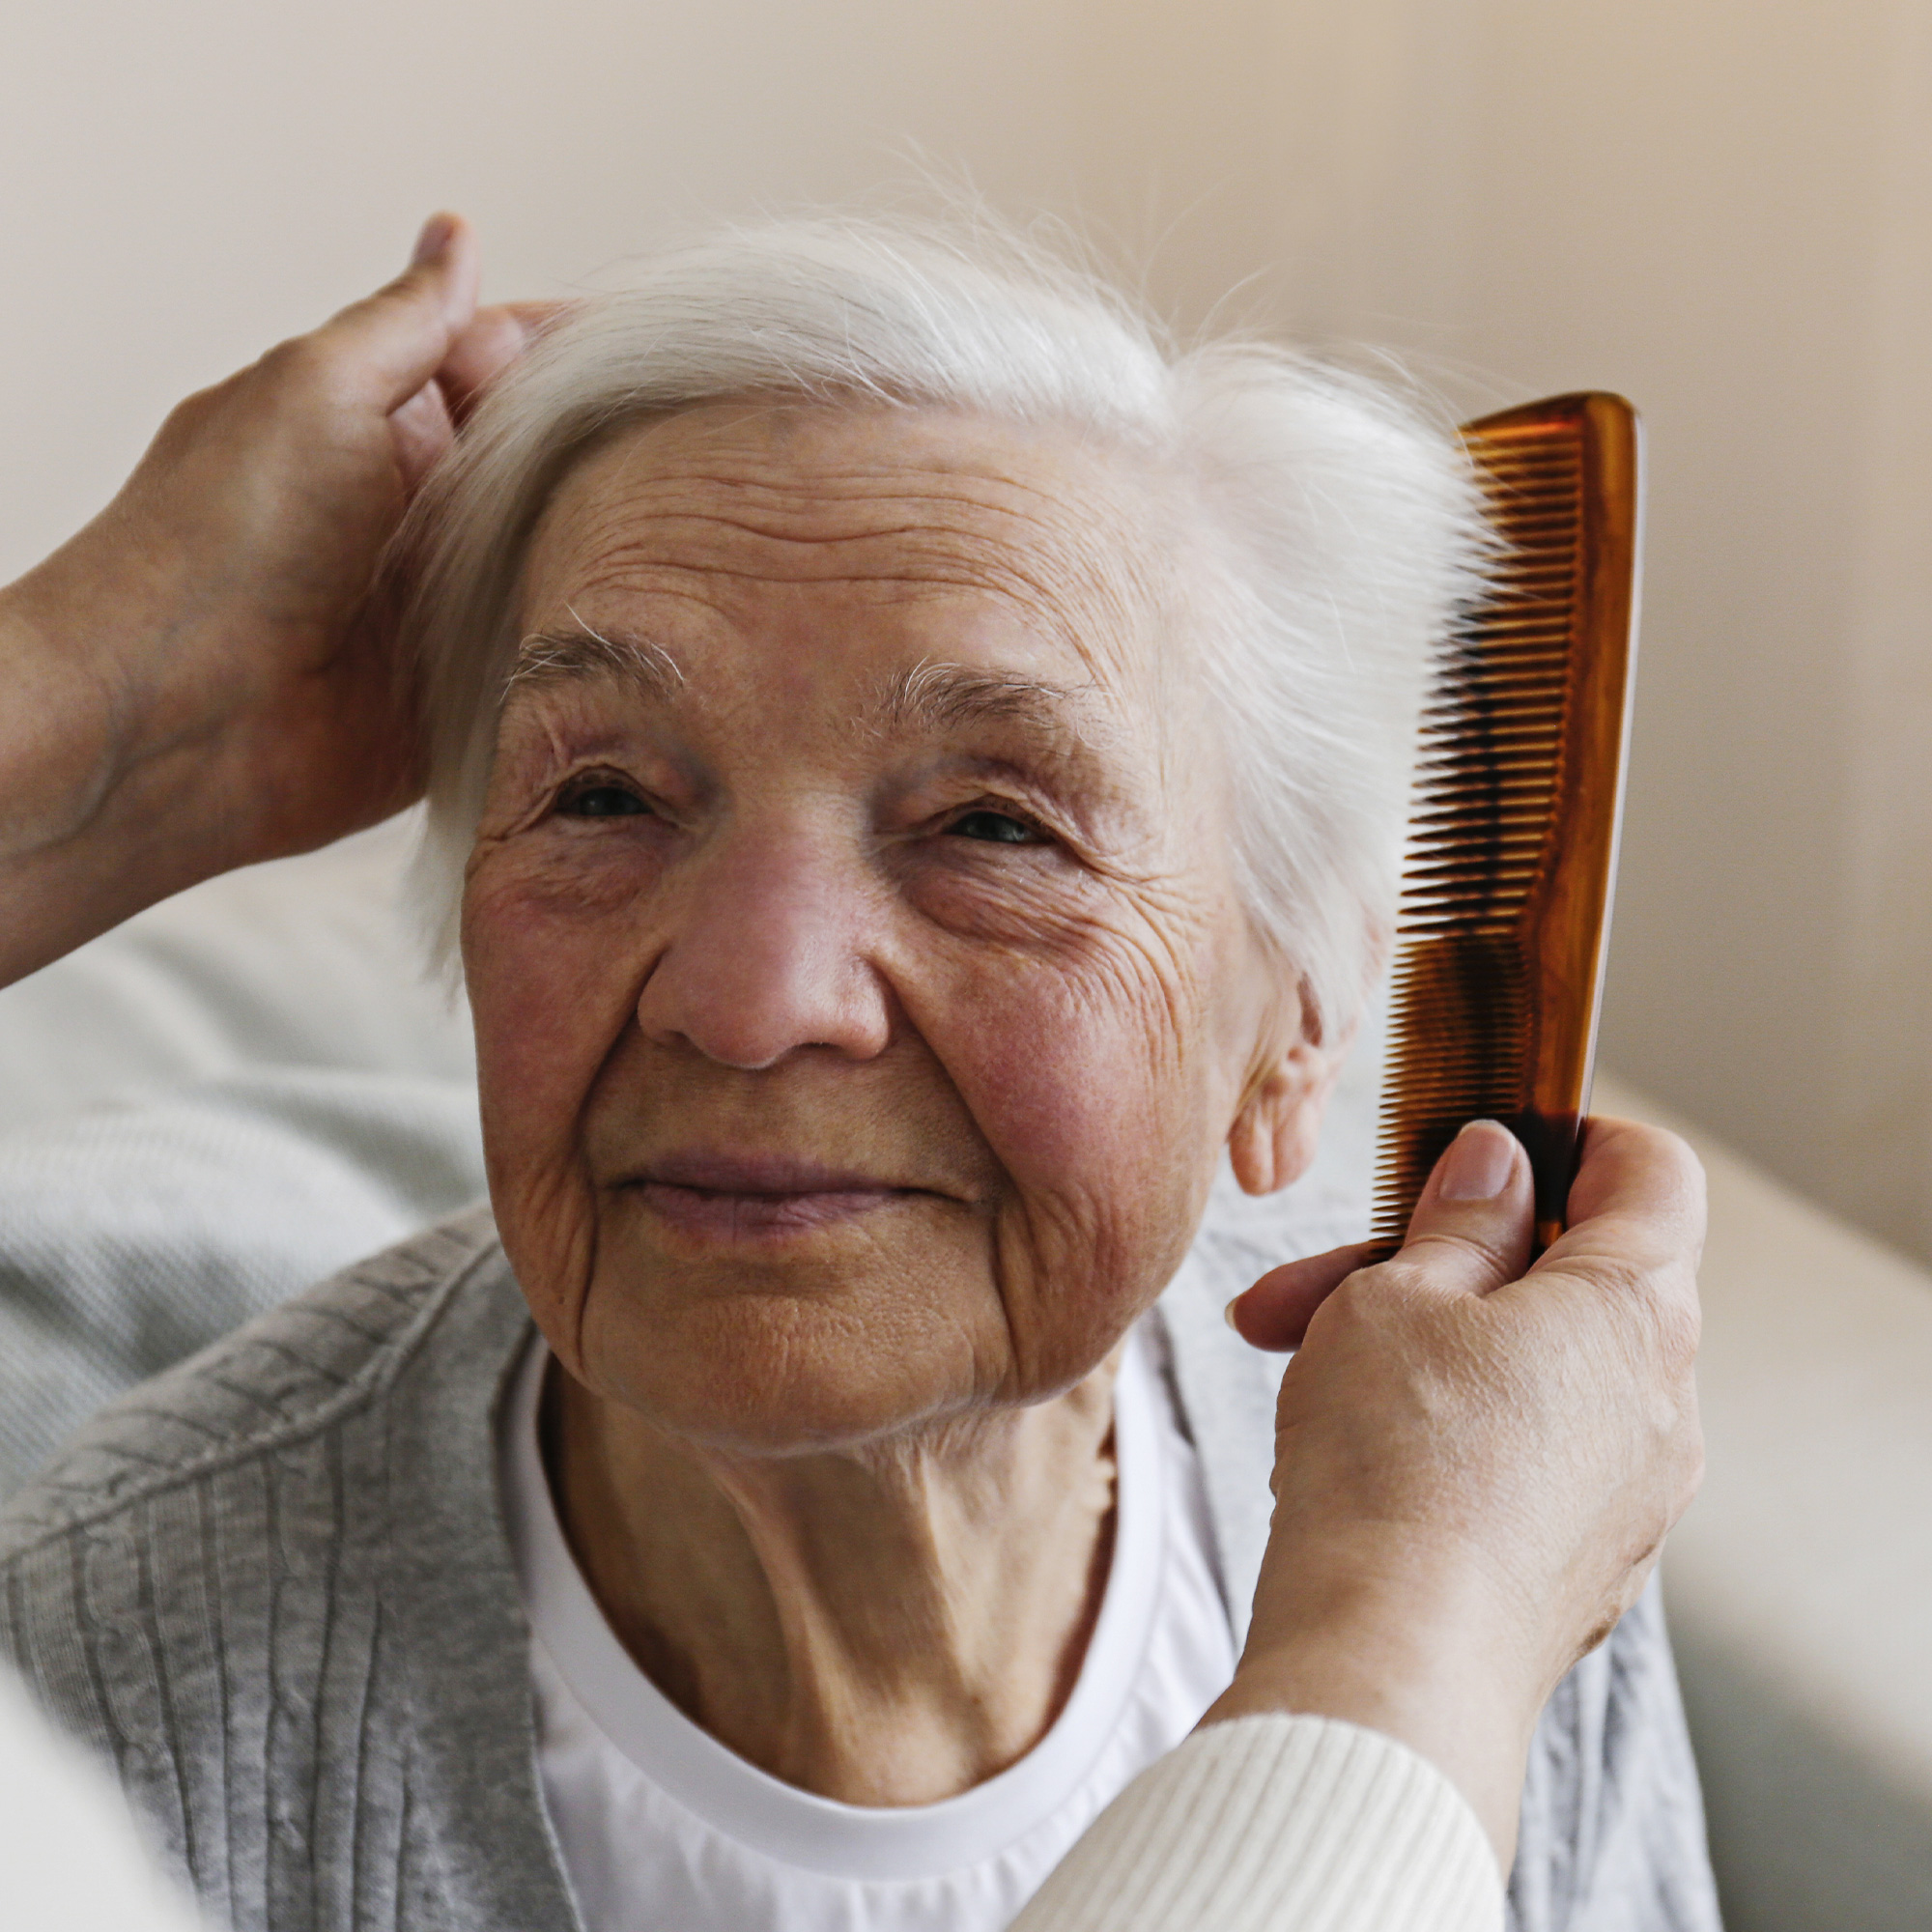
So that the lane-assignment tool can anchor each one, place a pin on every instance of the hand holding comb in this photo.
(1513, 840)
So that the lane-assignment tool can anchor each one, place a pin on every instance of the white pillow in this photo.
(305, 962)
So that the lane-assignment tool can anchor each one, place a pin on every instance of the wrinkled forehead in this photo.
(734, 506)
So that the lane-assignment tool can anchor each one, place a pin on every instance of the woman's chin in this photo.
(811, 1406)
(784, 1340)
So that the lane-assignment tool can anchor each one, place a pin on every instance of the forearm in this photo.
(1414, 1653)
(94, 823)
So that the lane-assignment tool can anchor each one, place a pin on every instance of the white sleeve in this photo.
(73, 1860)
(1279, 1825)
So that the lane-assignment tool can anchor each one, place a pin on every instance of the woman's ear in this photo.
(1273, 1138)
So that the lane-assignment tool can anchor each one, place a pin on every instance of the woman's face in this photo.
(862, 992)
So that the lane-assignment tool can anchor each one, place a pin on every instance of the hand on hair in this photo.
(206, 677)
(1477, 1459)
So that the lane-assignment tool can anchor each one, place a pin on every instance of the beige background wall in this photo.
(1724, 209)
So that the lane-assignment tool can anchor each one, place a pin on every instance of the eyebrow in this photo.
(939, 698)
(932, 697)
(577, 651)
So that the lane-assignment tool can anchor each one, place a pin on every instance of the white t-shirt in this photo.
(663, 1829)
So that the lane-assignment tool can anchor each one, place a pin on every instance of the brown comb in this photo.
(1513, 841)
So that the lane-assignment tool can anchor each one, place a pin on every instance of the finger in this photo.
(538, 316)
(1469, 1234)
(493, 341)
(1473, 1227)
(1637, 1213)
(1275, 1312)
(1645, 1172)
(421, 431)
(496, 338)
(389, 344)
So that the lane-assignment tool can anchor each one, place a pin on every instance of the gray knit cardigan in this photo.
(273, 1587)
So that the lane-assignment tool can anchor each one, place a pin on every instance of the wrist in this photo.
(1414, 1646)
(61, 755)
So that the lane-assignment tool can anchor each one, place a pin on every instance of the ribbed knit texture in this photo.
(1279, 1825)
(272, 1589)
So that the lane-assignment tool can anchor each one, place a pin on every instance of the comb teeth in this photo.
(1460, 1011)
(1482, 831)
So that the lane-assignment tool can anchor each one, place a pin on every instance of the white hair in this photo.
(1342, 523)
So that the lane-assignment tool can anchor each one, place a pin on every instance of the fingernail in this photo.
(434, 240)
(1227, 1315)
(1477, 1166)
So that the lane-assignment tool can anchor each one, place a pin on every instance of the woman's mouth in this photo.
(758, 1197)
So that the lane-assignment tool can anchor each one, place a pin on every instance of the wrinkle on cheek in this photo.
(550, 1002)
(1104, 1108)
(1071, 1274)
(1159, 970)
(550, 991)
(1147, 978)
(1090, 1066)
(1102, 1022)
(548, 1220)
(557, 873)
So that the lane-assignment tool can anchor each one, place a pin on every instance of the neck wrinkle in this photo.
(887, 1625)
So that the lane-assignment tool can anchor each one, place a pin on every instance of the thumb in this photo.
(392, 343)
(1474, 1225)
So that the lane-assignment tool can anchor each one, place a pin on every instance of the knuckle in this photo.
(1661, 1303)
(1624, 1280)
(1606, 1620)
(1460, 1250)
(1686, 1171)
(301, 362)
(1667, 1325)
(1371, 1296)
(1690, 1475)
(189, 416)
(1682, 1155)
(1362, 1291)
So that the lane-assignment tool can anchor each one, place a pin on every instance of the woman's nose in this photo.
(765, 954)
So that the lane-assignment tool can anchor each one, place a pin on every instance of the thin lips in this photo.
(772, 1174)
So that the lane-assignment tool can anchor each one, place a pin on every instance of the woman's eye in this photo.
(602, 801)
(996, 828)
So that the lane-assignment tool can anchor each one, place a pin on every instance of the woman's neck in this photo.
(884, 1626)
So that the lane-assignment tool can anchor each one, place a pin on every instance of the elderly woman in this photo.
(913, 776)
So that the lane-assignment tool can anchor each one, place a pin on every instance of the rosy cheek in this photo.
(1107, 1172)
(1062, 1025)
(1080, 1092)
